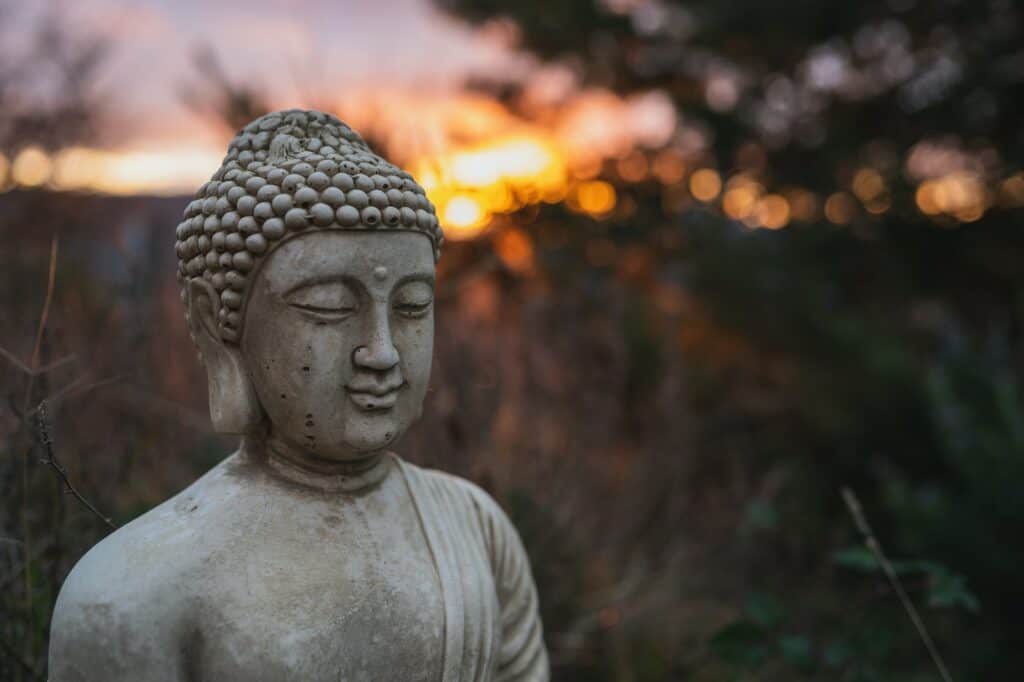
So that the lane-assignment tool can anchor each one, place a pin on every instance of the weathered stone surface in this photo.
(313, 552)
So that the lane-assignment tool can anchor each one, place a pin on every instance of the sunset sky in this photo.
(391, 69)
(291, 48)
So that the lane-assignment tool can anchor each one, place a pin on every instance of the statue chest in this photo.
(342, 591)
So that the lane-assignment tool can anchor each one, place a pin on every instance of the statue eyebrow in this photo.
(319, 280)
(354, 282)
(426, 277)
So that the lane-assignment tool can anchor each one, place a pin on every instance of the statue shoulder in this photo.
(147, 551)
(117, 610)
(122, 607)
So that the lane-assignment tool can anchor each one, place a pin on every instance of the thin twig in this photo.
(13, 359)
(25, 369)
(76, 387)
(56, 363)
(50, 279)
(43, 423)
(871, 542)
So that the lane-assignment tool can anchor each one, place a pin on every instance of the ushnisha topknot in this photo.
(286, 173)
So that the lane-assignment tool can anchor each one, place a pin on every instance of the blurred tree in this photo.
(847, 348)
(220, 99)
(48, 92)
(815, 82)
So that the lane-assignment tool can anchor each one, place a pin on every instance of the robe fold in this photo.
(492, 624)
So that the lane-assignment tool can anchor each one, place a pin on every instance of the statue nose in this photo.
(379, 353)
(378, 357)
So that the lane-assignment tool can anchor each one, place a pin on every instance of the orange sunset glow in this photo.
(478, 157)
(473, 157)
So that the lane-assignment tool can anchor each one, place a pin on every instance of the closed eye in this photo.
(413, 298)
(325, 301)
(413, 309)
(325, 312)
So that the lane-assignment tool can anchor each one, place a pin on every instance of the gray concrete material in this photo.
(314, 552)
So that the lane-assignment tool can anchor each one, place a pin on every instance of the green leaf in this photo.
(764, 610)
(929, 567)
(797, 651)
(760, 516)
(949, 590)
(856, 558)
(742, 643)
(837, 653)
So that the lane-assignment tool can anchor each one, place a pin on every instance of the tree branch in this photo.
(50, 279)
(43, 424)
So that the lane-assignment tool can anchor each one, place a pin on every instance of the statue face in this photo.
(338, 339)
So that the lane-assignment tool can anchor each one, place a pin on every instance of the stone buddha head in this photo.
(307, 272)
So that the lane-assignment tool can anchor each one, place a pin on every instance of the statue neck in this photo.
(304, 468)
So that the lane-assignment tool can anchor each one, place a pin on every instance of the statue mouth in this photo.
(374, 398)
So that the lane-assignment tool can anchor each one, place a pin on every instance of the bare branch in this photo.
(43, 424)
(50, 279)
(871, 542)
(13, 359)
(75, 387)
(56, 363)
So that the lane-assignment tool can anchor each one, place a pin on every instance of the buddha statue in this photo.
(313, 552)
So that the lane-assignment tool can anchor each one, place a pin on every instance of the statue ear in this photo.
(234, 407)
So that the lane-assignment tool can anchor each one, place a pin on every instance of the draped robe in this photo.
(492, 626)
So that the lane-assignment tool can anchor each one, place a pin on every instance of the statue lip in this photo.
(374, 397)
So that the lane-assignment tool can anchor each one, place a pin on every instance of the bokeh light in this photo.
(803, 204)
(773, 211)
(840, 208)
(595, 197)
(959, 195)
(868, 184)
(472, 184)
(739, 202)
(633, 168)
(127, 173)
(486, 162)
(669, 166)
(1011, 191)
(32, 167)
(705, 184)
(515, 249)
(462, 217)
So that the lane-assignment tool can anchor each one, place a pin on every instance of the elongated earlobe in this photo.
(234, 407)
